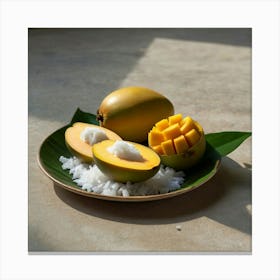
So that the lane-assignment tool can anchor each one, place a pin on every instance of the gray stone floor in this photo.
(206, 73)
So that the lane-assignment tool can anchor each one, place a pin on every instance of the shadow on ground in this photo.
(70, 68)
(230, 190)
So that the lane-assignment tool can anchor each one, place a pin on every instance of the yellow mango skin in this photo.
(122, 170)
(131, 112)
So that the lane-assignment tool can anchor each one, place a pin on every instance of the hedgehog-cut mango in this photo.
(179, 141)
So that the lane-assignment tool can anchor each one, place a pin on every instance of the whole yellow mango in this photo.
(131, 112)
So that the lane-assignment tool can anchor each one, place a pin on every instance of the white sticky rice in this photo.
(93, 135)
(125, 150)
(91, 179)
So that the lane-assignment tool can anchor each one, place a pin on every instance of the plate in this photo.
(54, 146)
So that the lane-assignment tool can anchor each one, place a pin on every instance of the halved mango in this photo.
(80, 148)
(125, 170)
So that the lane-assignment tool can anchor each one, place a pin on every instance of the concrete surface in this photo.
(206, 73)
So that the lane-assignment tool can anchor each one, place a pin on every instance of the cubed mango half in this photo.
(175, 135)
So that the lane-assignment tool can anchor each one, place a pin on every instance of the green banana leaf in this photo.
(217, 145)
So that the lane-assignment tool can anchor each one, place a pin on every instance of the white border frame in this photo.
(262, 16)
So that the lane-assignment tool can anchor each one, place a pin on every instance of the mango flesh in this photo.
(179, 142)
(123, 170)
(77, 146)
(131, 112)
(186, 159)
